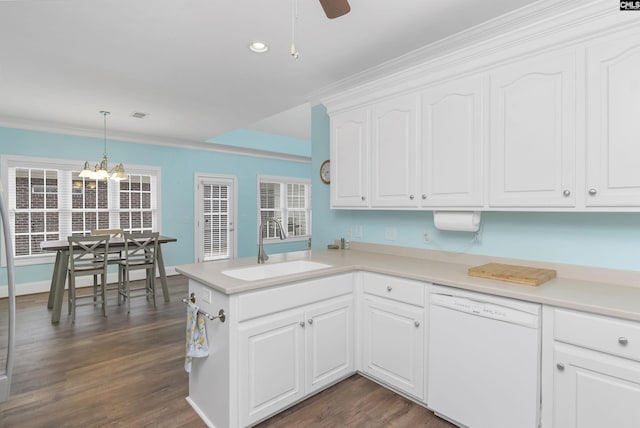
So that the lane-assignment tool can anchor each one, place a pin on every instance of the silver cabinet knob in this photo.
(310, 321)
(567, 193)
(560, 366)
(301, 323)
(416, 323)
(592, 192)
(424, 196)
(411, 197)
(363, 198)
(623, 341)
(389, 288)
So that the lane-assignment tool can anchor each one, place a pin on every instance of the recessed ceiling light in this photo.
(258, 47)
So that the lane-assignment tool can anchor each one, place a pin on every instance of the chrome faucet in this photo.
(262, 256)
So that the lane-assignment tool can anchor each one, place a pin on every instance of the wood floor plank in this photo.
(127, 370)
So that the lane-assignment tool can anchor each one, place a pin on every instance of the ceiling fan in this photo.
(335, 8)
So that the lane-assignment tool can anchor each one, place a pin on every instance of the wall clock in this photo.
(325, 174)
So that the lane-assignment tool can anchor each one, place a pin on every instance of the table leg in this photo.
(163, 275)
(58, 289)
(54, 277)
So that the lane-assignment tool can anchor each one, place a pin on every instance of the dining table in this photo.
(58, 279)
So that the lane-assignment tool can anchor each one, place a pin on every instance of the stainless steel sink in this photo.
(265, 271)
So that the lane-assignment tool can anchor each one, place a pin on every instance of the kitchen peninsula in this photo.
(289, 336)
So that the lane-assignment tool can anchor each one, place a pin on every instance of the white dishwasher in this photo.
(484, 359)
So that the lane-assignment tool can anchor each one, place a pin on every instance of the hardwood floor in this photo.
(356, 402)
(128, 371)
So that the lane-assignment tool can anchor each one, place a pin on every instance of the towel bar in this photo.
(221, 316)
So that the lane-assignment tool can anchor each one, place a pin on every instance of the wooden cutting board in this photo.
(513, 273)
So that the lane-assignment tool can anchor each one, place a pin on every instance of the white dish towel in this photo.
(197, 346)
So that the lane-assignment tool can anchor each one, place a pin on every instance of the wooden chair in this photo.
(87, 256)
(140, 252)
(113, 256)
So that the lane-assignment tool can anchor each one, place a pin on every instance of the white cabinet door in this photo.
(271, 366)
(613, 125)
(349, 159)
(329, 343)
(393, 344)
(595, 390)
(452, 144)
(532, 116)
(394, 158)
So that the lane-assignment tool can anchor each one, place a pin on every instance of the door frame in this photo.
(232, 180)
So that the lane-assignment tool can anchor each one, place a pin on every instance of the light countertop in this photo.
(621, 301)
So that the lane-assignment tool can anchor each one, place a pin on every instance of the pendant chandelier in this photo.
(101, 170)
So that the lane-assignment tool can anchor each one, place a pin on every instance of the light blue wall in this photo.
(178, 167)
(608, 240)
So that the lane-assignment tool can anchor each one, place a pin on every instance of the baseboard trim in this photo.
(44, 286)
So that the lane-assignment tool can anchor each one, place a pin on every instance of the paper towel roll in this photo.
(461, 221)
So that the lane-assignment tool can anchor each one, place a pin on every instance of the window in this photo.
(48, 200)
(136, 212)
(287, 200)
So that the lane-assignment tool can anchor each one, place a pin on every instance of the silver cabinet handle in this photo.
(301, 323)
(310, 321)
(411, 197)
(416, 323)
(623, 341)
(560, 366)
(424, 196)
(592, 192)
(389, 288)
(567, 193)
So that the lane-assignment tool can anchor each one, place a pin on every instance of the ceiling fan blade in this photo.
(335, 8)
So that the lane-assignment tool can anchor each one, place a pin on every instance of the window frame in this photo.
(283, 181)
(66, 169)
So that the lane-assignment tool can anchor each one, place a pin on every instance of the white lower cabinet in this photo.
(595, 390)
(393, 333)
(284, 357)
(271, 370)
(596, 371)
(279, 345)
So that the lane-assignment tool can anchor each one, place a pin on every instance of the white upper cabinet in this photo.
(613, 124)
(452, 144)
(532, 115)
(540, 119)
(394, 157)
(349, 159)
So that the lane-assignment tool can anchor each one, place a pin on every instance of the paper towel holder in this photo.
(457, 221)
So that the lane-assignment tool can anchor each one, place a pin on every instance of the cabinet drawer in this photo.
(611, 335)
(277, 299)
(402, 290)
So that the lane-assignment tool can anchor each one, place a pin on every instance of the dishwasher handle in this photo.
(486, 309)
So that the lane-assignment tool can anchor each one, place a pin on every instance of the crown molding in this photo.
(56, 128)
(536, 21)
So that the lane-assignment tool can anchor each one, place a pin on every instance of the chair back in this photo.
(87, 252)
(140, 248)
(113, 233)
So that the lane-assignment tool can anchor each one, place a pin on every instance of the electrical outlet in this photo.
(390, 234)
(426, 237)
(205, 295)
(357, 231)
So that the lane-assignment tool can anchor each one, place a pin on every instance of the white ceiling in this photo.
(186, 62)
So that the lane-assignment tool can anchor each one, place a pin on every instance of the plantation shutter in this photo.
(216, 215)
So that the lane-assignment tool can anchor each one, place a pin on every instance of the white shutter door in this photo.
(215, 223)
